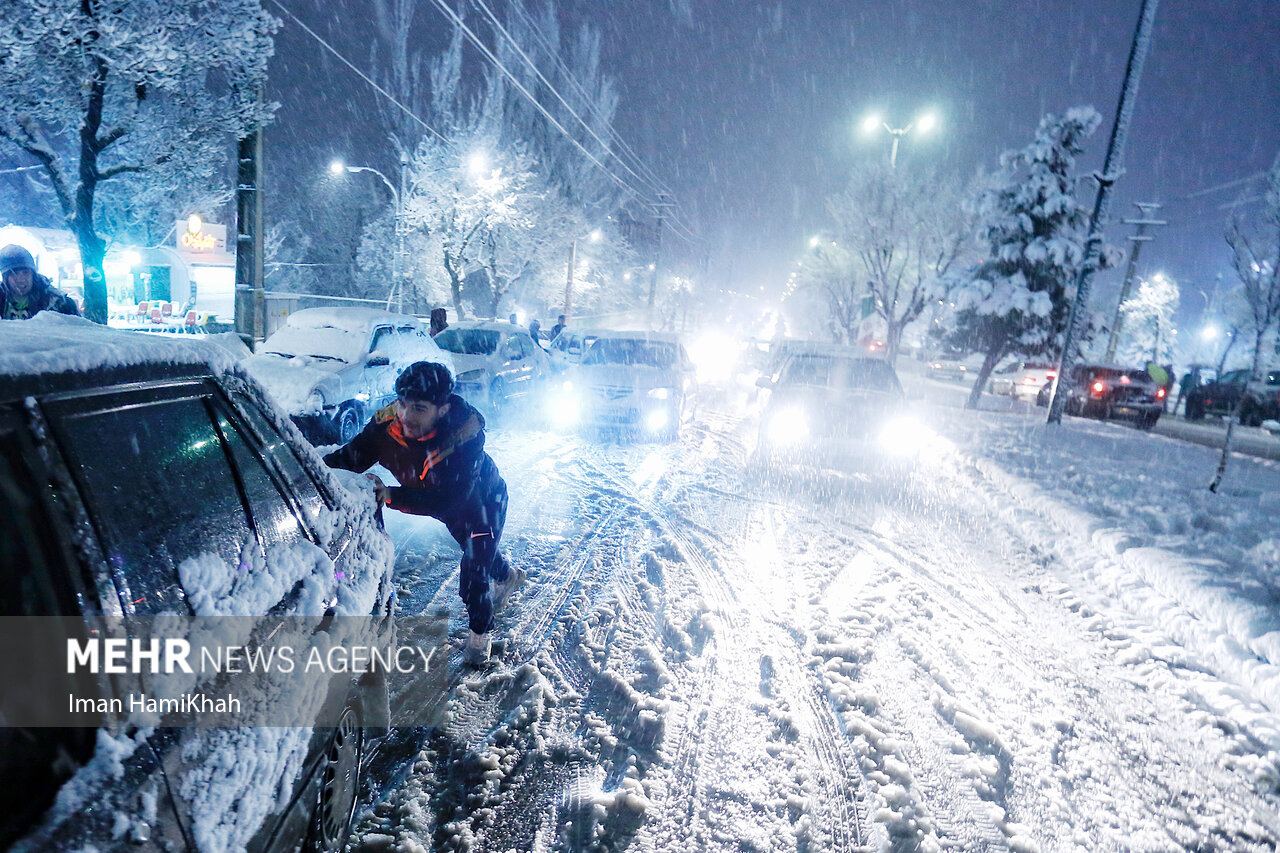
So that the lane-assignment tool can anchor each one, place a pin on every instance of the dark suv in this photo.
(1259, 401)
(1115, 393)
(146, 483)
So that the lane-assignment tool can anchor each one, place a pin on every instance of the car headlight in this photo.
(788, 426)
(659, 394)
(656, 420)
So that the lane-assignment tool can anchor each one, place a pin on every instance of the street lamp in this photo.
(595, 236)
(337, 167)
(922, 124)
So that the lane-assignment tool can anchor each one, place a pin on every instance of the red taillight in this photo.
(1159, 393)
(1098, 387)
(1050, 374)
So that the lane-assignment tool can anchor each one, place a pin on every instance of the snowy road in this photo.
(707, 659)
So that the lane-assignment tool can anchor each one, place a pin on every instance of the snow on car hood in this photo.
(467, 362)
(290, 381)
(630, 375)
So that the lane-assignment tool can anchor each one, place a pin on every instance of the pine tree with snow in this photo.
(94, 92)
(1035, 229)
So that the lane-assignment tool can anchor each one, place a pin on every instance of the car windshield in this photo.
(468, 341)
(632, 351)
(839, 373)
(325, 343)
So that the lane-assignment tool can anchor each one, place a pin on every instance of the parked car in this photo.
(1259, 401)
(495, 363)
(332, 368)
(148, 487)
(1023, 380)
(1115, 393)
(948, 365)
(631, 380)
(567, 349)
(828, 406)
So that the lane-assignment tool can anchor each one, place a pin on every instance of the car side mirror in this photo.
(377, 359)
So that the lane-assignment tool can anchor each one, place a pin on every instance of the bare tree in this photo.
(1255, 257)
(906, 233)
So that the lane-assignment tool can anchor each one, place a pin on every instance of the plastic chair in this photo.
(156, 316)
(189, 324)
(166, 309)
(144, 308)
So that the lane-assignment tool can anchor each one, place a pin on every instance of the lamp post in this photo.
(595, 237)
(337, 167)
(922, 124)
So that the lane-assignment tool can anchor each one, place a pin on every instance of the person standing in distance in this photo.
(25, 292)
(432, 442)
(439, 321)
(558, 327)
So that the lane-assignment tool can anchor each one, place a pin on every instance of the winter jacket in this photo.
(43, 297)
(447, 474)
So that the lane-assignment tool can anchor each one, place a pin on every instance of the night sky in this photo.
(750, 111)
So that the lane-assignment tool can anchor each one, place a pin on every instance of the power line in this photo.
(1228, 185)
(365, 77)
(545, 42)
(503, 30)
(484, 49)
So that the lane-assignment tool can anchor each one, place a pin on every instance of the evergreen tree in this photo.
(1035, 231)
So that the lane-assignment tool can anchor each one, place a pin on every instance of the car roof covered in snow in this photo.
(52, 352)
(351, 319)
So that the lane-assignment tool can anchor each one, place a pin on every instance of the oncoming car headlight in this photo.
(564, 406)
(787, 426)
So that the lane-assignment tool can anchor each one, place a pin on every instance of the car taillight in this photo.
(1050, 374)
(1159, 393)
(1098, 387)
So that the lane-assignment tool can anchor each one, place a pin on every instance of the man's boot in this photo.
(476, 651)
(500, 591)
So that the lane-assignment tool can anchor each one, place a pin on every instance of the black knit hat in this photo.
(425, 380)
(14, 257)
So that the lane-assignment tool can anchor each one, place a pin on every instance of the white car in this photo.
(830, 406)
(494, 362)
(631, 380)
(566, 350)
(1023, 380)
(332, 368)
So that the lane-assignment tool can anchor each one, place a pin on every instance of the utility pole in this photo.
(568, 280)
(1145, 210)
(1112, 168)
(664, 202)
(251, 300)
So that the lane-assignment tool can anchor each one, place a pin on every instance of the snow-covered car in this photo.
(494, 362)
(148, 489)
(1023, 380)
(332, 368)
(830, 406)
(566, 350)
(631, 380)
(1108, 393)
(1259, 401)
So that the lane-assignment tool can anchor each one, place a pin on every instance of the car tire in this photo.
(349, 423)
(1146, 423)
(1195, 410)
(1250, 415)
(339, 785)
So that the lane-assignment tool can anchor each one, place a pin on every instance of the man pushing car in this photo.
(432, 442)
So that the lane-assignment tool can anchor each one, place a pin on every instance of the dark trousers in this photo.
(478, 532)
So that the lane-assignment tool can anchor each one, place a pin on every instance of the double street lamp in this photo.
(337, 167)
(922, 124)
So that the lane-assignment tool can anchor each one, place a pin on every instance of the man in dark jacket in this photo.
(432, 442)
(25, 292)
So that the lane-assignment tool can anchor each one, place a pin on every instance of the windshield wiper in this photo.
(327, 357)
(281, 354)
